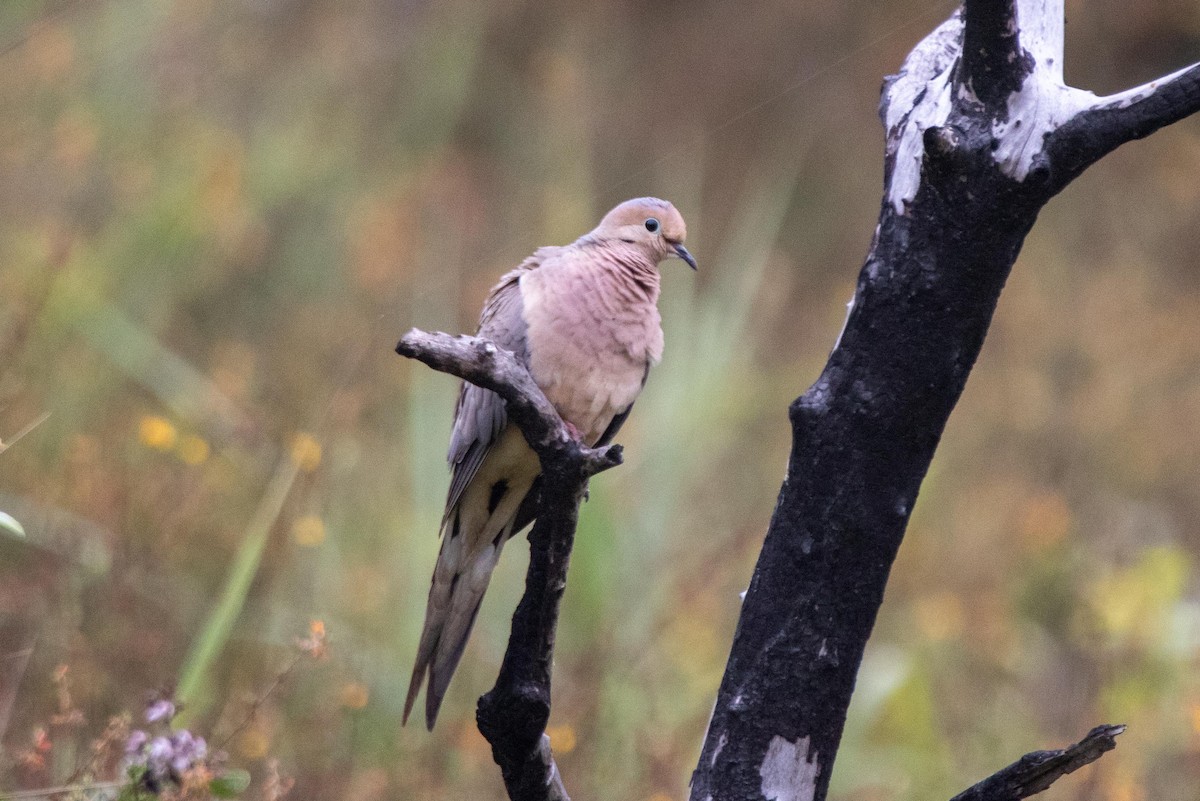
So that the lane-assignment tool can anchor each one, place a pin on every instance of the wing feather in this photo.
(479, 415)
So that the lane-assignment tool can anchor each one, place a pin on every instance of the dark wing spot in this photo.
(528, 509)
(498, 490)
(454, 526)
(613, 427)
(619, 420)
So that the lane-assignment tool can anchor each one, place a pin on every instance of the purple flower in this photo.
(166, 758)
(188, 750)
(137, 738)
(162, 709)
(158, 754)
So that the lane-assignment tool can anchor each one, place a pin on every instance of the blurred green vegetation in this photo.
(218, 216)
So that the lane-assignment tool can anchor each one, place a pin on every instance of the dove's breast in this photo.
(593, 333)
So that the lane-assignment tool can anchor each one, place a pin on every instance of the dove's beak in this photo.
(682, 253)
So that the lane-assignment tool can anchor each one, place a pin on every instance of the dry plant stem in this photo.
(60, 790)
(1035, 772)
(513, 714)
(257, 704)
(981, 133)
(12, 671)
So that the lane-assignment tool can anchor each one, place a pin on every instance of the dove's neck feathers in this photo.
(593, 329)
(629, 269)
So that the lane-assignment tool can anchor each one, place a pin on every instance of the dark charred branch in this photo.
(1033, 773)
(1095, 132)
(993, 62)
(513, 714)
(981, 133)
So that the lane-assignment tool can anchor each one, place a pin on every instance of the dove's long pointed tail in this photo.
(459, 583)
(475, 530)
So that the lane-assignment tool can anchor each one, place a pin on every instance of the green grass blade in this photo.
(212, 640)
(10, 525)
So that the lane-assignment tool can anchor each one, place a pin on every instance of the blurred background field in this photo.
(218, 216)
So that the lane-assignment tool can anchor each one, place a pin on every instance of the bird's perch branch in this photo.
(483, 363)
(1033, 773)
(981, 133)
(513, 714)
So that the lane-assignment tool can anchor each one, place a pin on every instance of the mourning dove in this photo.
(584, 319)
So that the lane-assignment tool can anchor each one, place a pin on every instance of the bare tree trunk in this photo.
(981, 133)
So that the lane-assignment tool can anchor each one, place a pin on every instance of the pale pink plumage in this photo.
(584, 319)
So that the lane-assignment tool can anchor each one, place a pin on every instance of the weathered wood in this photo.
(1035, 772)
(981, 133)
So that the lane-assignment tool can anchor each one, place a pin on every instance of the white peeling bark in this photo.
(788, 773)
(1042, 24)
(924, 93)
(1139, 93)
(1041, 107)
(917, 98)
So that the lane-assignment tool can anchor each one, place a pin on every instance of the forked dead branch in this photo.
(981, 131)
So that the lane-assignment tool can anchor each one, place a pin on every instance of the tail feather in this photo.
(414, 687)
(442, 670)
(429, 638)
(454, 600)
(473, 532)
(441, 588)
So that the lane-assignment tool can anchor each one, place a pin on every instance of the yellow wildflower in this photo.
(157, 433)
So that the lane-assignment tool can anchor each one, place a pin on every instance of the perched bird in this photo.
(584, 320)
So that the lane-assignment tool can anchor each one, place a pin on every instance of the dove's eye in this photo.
(651, 225)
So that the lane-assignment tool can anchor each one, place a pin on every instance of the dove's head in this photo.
(650, 224)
